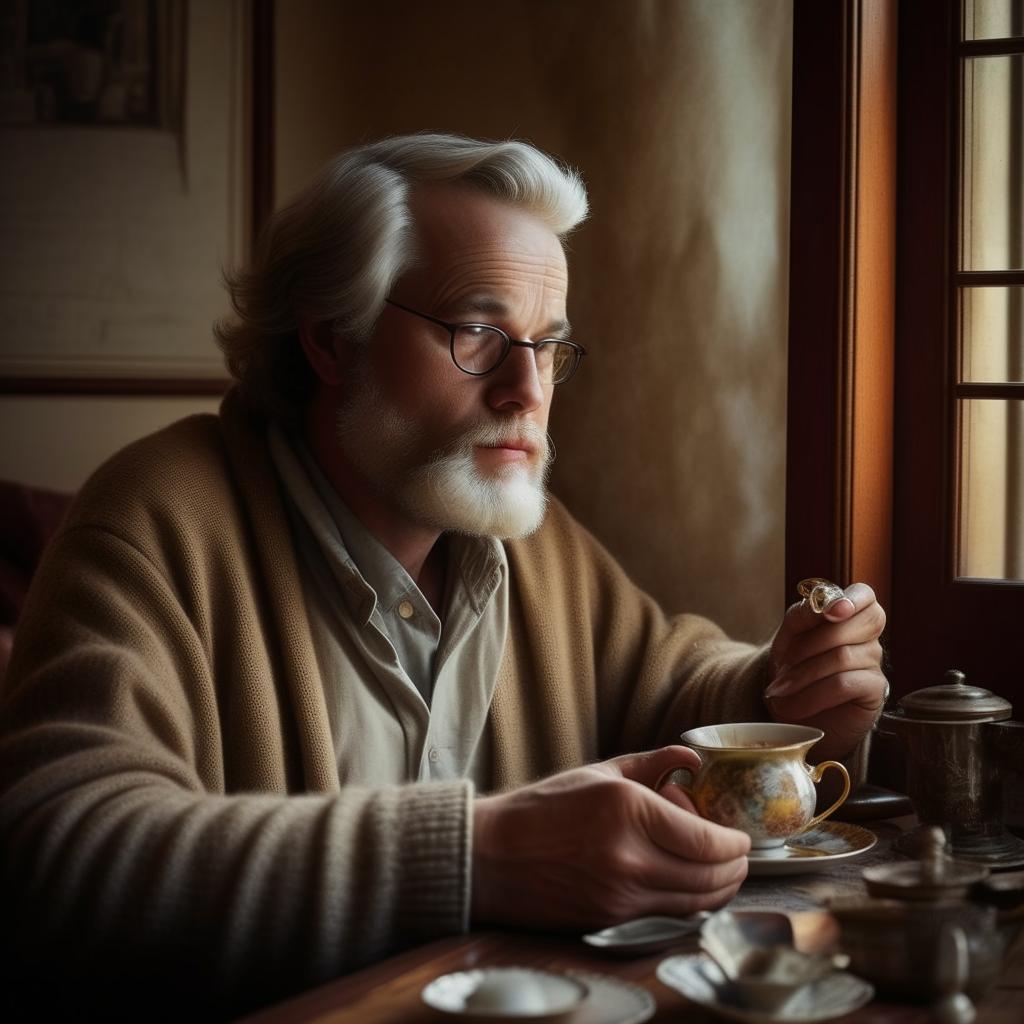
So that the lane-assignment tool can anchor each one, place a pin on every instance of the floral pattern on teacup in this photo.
(769, 801)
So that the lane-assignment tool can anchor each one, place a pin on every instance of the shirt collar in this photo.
(369, 574)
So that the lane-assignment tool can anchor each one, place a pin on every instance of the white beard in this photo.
(444, 488)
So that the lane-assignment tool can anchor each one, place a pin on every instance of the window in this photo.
(958, 596)
(906, 334)
(989, 283)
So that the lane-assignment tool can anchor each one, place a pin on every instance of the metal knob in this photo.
(933, 855)
(951, 968)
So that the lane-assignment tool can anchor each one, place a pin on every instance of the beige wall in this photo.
(671, 440)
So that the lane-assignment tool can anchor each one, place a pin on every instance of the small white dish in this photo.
(645, 934)
(702, 981)
(813, 850)
(506, 994)
(612, 1001)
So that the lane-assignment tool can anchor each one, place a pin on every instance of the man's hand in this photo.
(595, 845)
(828, 669)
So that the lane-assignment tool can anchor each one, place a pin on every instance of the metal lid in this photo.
(955, 701)
(933, 878)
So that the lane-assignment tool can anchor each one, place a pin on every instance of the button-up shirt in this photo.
(407, 693)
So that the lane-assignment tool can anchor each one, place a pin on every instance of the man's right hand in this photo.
(596, 845)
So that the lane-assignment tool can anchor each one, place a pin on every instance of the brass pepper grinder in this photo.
(959, 742)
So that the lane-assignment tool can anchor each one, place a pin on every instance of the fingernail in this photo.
(836, 605)
(779, 688)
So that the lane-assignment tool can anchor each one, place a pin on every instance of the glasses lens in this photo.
(556, 361)
(478, 349)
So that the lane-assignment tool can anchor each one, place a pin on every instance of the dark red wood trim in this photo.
(924, 418)
(870, 339)
(842, 242)
(990, 47)
(988, 389)
(818, 241)
(989, 278)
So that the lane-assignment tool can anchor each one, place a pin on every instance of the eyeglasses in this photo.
(479, 349)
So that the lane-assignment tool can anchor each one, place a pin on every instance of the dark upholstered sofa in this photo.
(28, 518)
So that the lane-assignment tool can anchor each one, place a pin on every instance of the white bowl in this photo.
(505, 993)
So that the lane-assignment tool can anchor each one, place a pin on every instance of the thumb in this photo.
(648, 767)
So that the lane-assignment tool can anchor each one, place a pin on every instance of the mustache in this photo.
(496, 435)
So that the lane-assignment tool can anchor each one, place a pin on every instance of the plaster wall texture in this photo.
(671, 439)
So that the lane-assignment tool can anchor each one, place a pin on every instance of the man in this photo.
(273, 658)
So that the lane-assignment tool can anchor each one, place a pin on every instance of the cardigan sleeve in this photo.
(140, 843)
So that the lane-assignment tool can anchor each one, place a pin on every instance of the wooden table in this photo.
(389, 992)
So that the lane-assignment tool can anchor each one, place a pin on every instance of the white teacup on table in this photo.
(753, 776)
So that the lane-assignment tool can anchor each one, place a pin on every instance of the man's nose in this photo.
(515, 386)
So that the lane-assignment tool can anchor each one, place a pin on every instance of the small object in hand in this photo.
(819, 593)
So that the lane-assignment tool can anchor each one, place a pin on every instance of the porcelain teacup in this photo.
(753, 776)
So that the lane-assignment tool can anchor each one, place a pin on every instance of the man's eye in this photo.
(546, 352)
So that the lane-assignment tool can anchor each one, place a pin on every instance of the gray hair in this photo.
(335, 251)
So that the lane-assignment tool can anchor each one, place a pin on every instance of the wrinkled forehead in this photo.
(460, 232)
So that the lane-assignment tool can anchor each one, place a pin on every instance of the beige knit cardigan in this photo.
(169, 797)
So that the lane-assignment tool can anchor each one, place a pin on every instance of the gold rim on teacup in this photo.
(771, 819)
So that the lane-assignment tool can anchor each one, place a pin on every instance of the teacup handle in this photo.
(816, 773)
(669, 772)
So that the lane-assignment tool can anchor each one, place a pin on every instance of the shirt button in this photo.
(434, 755)
(405, 609)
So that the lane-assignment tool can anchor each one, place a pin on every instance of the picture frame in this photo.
(137, 168)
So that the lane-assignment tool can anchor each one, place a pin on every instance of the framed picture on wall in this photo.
(127, 185)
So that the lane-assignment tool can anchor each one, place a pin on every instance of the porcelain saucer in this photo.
(612, 1001)
(701, 980)
(813, 850)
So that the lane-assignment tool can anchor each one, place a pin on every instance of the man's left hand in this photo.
(828, 669)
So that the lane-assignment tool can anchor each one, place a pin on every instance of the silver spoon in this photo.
(645, 934)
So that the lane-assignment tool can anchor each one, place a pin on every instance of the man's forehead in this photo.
(465, 219)
(475, 252)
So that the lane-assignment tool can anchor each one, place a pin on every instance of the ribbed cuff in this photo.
(434, 852)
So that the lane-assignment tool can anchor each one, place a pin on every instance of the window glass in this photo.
(992, 334)
(992, 221)
(992, 19)
(991, 489)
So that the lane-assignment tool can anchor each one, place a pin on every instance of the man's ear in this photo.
(324, 349)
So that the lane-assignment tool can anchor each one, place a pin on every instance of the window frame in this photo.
(940, 621)
(870, 490)
(839, 493)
